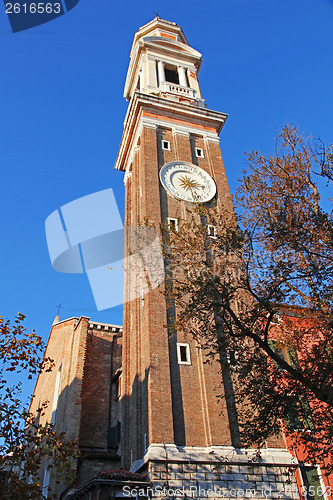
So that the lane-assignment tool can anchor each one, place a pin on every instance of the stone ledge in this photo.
(215, 455)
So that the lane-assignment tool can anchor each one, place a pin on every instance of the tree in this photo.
(259, 286)
(24, 443)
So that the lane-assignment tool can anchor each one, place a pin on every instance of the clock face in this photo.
(187, 182)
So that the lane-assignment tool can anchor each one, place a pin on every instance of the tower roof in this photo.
(162, 38)
(160, 27)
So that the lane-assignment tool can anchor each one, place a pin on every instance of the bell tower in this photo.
(163, 64)
(173, 423)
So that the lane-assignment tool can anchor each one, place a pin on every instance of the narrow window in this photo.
(173, 224)
(212, 231)
(166, 145)
(312, 479)
(296, 409)
(117, 383)
(183, 354)
(171, 74)
(56, 396)
(297, 414)
(199, 152)
(233, 357)
(46, 482)
(118, 388)
(114, 435)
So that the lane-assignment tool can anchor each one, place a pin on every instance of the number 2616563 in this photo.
(33, 8)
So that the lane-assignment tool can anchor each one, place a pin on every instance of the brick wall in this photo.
(88, 356)
(165, 401)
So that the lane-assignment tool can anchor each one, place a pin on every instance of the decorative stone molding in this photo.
(179, 90)
(105, 327)
(219, 472)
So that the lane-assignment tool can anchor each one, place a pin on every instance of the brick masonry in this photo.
(165, 401)
(88, 357)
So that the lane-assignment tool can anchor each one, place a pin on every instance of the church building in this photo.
(140, 398)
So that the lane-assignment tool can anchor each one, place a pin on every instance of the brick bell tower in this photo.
(173, 422)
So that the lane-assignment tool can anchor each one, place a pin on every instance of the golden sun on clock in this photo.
(185, 181)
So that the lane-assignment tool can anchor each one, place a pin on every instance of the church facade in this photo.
(140, 399)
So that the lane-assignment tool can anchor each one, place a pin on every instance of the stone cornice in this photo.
(215, 454)
(164, 112)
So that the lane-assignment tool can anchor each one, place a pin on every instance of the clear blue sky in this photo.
(265, 63)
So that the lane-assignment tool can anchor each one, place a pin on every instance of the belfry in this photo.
(173, 424)
(140, 399)
(168, 133)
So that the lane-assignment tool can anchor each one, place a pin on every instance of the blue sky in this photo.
(265, 63)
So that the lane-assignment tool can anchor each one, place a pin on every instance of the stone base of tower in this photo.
(218, 472)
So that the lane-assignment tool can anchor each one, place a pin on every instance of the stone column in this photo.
(182, 76)
(161, 74)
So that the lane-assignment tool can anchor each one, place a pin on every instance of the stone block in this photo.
(270, 471)
(219, 468)
(212, 476)
(265, 485)
(205, 485)
(176, 475)
(155, 475)
(258, 469)
(220, 484)
(175, 484)
(204, 467)
(161, 467)
(270, 477)
(189, 467)
(232, 477)
(254, 477)
(175, 467)
(275, 494)
(236, 485)
(190, 485)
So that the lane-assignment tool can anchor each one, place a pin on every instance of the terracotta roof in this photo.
(122, 475)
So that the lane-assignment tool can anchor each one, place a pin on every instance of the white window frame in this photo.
(276, 319)
(212, 229)
(175, 221)
(46, 482)
(166, 145)
(235, 354)
(188, 354)
(199, 153)
(320, 477)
